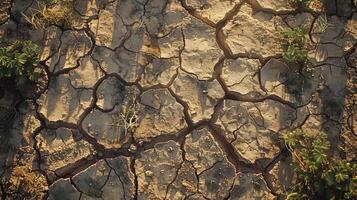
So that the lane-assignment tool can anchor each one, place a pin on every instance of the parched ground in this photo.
(214, 99)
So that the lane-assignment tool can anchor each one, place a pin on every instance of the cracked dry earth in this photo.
(214, 99)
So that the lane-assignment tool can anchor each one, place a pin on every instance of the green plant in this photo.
(19, 62)
(295, 42)
(51, 12)
(319, 177)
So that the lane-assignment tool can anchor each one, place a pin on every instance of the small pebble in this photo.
(149, 173)
(132, 148)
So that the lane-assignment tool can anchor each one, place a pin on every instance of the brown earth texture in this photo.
(175, 99)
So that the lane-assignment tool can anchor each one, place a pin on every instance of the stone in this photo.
(159, 72)
(201, 51)
(110, 93)
(62, 102)
(250, 186)
(302, 20)
(168, 99)
(121, 62)
(73, 46)
(160, 115)
(162, 17)
(185, 183)
(202, 150)
(282, 175)
(109, 28)
(254, 33)
(343, 8)
(163, 165)
(51, 43)
(87, 74)
(63, 189)
(58, 148)
(122, 183)
(106, 179)
(171, 45)
(130, 11)
(214, 10)
(276, 6)
(273, 74)
(215, 182)
(250, 131)
(241, 75)
(200, 103)
(90, 8)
